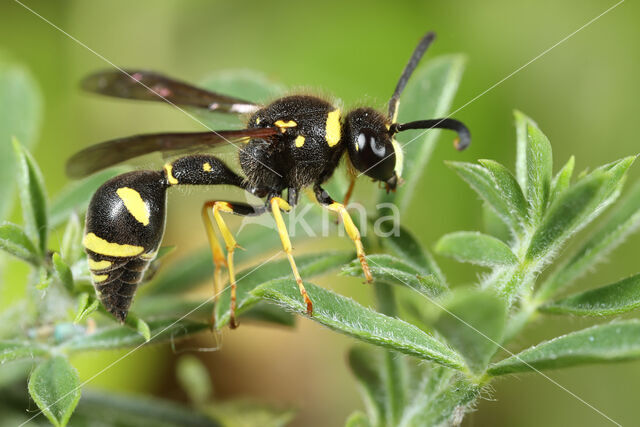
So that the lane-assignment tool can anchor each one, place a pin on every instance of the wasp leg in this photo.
(230, 242)
(326, 201)
(216, 251)
(278, 204)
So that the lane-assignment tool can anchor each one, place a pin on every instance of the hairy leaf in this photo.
(494, 225)
(55, 387)
(13, 350)
(14, 240)
(510, 189)
(32, 197)
(348, 317)
(429, 93)
(308, 265)
(20, 117)
(562, 180)
(601, 343)
(388, 269)
(63, 272)
(539, 168)
(473, 323)
(476, 248)
(616, 298)
(71, 248)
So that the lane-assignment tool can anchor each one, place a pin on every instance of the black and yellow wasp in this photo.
(293, 143)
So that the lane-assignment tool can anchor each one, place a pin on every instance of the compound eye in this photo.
(370, 146)
(373, 154)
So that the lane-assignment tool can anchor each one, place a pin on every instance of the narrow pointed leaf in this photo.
(476, 248)
(429, 93)
(365, 364)
(404, 245)
(55, 387)
(308, 265)
(76, 196)
(622, 222)
(539, 169)
(562, 180)
(63, 272)
(32, 197)
(510, 189)
(14, 240)
(14, 350)
(473, 322)
(71, 248)
(348, 317)
(598, 344)
(388, 269)
(112, 337)
(616, 298)
(20, 117)
(482, 181)
(576, 207)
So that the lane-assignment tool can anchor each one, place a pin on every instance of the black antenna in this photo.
(418, 53)
(460, 143)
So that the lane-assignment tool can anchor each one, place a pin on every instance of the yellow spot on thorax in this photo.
(168, 167)
(206, 167)
(332, 131)
(97, 278)
(284, 125)
(134, 204)
(99, 265)
(103, 247)
(299, 141)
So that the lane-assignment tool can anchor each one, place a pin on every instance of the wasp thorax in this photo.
(370, 145)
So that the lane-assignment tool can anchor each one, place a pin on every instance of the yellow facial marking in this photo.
(332, 131)
(169, 170)
(206, 167)
(299, 141)
(287, 124)
(134, 204)
(397, 148)
(97, 278)
(257, 120)
(102, 247)
(99, 265)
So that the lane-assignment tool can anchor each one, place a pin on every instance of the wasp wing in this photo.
(150, 86)
(109, 153)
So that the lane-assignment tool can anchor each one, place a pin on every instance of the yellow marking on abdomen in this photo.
(299, 141)
(135, 205)
(168, 167)
(97, 278)
(332, 131)
(206, 167)
(284, 125)
(103, 247)
(99, 265)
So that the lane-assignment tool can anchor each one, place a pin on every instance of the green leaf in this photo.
(509, 188)
(118, 337)
(576, 207)
(476, 248)
(405, 245)
(32, 196)
(55, 387)
(562, 180)
(539, 168)
(139, 325)
(473, 322)
(249, 413)
(63, 272)
(357, 419)
(71, 248)
(85, 306)
(263, 312)
(365, 364)
(75, 197)
(194, 378)
(14, 350)
(602, 343)
(616, 298)
(494, 225)
(309, 265)
(15, 241)
(429, 93)
(388, 269)
(482, 181)
(20, 117)
(623, 221)
(348, 317)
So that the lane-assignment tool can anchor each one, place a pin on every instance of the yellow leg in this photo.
(218, 256)
(278, 204)
(354, 234)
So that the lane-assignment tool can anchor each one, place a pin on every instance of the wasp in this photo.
(294, 143)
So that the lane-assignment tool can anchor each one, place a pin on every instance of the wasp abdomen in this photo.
(124, 228)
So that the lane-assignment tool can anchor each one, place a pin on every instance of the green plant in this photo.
(435, 348)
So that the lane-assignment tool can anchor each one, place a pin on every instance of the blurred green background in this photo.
(583, 94)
